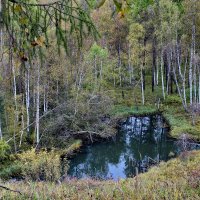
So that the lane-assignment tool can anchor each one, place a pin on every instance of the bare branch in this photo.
(6, 188)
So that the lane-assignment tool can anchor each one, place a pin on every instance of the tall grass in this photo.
(177, 179)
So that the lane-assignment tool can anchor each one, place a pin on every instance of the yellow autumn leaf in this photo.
(121, 14)
(18, 8)
(23, 20)
(40, 40)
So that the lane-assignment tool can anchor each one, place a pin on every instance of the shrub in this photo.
(10, 171)
(40, 166)
(4, 150)
(173, 99)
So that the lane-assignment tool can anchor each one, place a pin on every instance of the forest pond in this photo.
(140, 143)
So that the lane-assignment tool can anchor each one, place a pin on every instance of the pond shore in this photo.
(177, 179)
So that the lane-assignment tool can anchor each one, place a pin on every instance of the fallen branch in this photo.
(44, 115)
(6, 188)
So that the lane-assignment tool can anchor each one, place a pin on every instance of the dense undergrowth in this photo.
(46, 165)
(177, 179)
(178, 120)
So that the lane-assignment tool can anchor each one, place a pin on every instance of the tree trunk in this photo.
(168, 71)
(38, 105)
(27, 92)
(190, 76)
(157, 71)
(101, 71)
(184, 80)
(95, 72)
(195, 83)
(178, 88)
(119, 64)
(22, 132)
(153, 65)
(192, 53)
(14, 88)
(162, 75)
(142, 86)
(129, 64)
(1, 134)
(144, 63)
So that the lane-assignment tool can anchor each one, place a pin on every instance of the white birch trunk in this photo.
(162, 76)
(27, 88)
(95, 72)
(22, 131)
(1, 134)
(195, 83)
(178, 88)
(142, 85)
(157, 72)
(169, 70)
(129, 64)
(38, 105)
(15, 90)
(184, 80)
(44, 100)
(190, 77)
(101, 71)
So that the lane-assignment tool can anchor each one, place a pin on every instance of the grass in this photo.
(180, 123)
(171, 108)
(177, 179)
(14, 167)
(125, 111)
(178, 120)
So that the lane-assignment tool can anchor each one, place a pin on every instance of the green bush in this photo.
(11, 171)
(173, 99)
(40, 166)
(4, 150)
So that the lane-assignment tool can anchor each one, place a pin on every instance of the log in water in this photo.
(140, 143)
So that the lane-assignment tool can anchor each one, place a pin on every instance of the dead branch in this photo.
(6, 188)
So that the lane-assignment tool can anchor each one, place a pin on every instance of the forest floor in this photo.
(179, 121)
(176, 179)
(130, 103)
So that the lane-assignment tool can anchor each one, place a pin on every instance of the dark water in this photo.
(141, 142)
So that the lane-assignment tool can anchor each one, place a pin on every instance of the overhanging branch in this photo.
(35, 4)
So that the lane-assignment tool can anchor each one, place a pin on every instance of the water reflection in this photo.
(141, 141)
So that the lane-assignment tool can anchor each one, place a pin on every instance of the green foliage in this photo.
(4, 150)
(139, 6)
(29, 23)
(124, 111)
(10, 170)
(173, 100)
(177, 179)
(32, 165)
(39, 166)
(98, 51)
(42, 165)
(180, 122)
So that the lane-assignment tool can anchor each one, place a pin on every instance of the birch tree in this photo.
(136, 39)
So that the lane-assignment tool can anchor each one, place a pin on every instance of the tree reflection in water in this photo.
(141, 141)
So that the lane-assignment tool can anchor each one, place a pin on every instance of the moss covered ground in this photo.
(171, 108)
